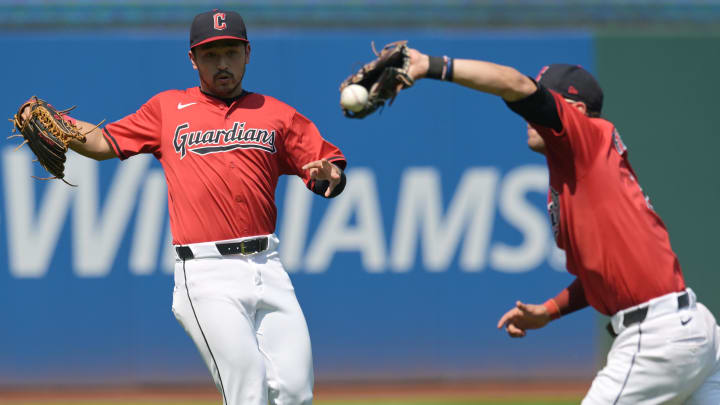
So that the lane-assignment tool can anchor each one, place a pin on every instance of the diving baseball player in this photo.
(667, 344)
(223, 149)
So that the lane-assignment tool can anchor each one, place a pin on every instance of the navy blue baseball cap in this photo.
(216, 25)
(575, 83)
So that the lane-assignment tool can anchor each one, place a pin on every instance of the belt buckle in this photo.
(243, 251)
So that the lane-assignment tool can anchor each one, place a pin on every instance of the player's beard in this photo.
(222, 84)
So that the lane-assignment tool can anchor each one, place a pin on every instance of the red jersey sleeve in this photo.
(304, 144)
(578, 143)
(138, 132)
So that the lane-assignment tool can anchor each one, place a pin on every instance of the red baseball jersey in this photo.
(615, 243)
(221, 163)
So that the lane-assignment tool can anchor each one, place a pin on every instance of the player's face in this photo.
(221, 66)
(535, 141)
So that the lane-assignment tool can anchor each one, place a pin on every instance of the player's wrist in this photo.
(440, 68)
(552, 308)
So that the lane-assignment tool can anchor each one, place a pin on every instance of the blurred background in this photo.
(442, 226)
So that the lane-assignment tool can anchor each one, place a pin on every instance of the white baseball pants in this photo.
(671, 357)
(242, 314)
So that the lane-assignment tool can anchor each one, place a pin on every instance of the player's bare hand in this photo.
(419, 64)
(324, 170)
(523, 317)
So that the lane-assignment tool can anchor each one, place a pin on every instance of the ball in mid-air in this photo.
(353, 97)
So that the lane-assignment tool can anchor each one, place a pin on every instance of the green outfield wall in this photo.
(662, 93)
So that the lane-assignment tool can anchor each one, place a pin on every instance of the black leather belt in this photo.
(246, 247)
(639, 315)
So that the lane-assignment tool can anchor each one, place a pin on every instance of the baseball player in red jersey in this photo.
(222, 149)
(667, 345)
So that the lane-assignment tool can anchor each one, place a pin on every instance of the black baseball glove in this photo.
(383, 78)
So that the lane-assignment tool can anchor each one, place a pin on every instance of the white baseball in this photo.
(353, 97)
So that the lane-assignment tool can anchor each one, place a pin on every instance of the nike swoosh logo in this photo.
(181, 105)
(685, 322)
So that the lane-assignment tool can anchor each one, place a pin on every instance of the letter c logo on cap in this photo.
(219, 19)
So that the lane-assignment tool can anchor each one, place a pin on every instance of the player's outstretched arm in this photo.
(95, 147)
(503, 81)
(529, 316)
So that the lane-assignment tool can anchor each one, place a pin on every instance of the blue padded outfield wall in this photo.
(441, 229)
